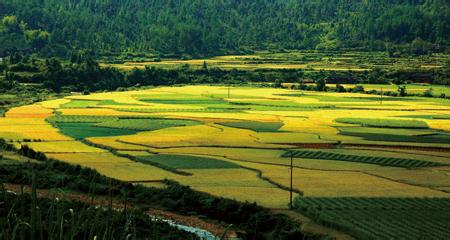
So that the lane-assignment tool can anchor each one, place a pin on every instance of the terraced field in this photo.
(240, 146)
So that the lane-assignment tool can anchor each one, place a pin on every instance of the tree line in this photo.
(84, 74)
(206, 27)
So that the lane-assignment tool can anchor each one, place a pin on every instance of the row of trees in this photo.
(83, 73)
(211, 27)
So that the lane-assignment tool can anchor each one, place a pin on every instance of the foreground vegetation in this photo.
(25, 216)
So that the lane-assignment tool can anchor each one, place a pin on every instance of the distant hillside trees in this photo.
(16, 36)
(206, 27)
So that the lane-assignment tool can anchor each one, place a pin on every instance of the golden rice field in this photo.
(251, 128)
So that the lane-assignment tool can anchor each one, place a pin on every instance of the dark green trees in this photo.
(208, 27)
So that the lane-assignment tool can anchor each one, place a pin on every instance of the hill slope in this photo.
(211, 26)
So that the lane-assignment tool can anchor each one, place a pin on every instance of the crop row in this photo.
(384, 123)
(80, 119)
(367, 203)
(148, 124)
(382, 218)
(383, 161)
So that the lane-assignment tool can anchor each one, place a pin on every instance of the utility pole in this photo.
(292, 168)
(381, 96)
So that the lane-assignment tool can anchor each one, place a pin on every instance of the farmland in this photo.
(383, 218)
(237, 142)
(230, 120)
(306, 60)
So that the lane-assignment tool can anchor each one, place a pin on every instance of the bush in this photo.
(358, 89)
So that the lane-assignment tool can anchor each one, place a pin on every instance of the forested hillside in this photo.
(56, 27)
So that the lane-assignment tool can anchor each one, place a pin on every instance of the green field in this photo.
(149, 124)
(81, 130)
(437, 116)
(255, 126)
(384, 123)
(79, 119)
(372, 134)
(79, 104)
(382, 218)
(383, 161)
(186, 162)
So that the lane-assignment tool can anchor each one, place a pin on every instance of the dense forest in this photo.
(207, 27)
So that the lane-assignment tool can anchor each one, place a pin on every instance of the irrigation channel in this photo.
(201, 233)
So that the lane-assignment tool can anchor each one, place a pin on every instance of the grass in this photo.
(81, 130)
(381, 218)
(186, 161)
(26, 216)
(255, 125)
(146, 124)
(384, 123)
(383, 161)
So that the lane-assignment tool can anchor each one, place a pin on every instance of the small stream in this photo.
(201, 233)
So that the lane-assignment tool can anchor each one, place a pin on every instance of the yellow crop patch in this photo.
(200, 135)
(308, 121)
(54, 104)
(19, 129)
(115, 167)
(97, 112)
(342, 183)
(29, 111)
(62, 147)
(239, 184)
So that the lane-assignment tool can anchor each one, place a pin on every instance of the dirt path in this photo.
(192, 221)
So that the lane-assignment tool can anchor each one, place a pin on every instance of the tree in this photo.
(277, 84)
(321, 85)
(402, 91)
(428, 93)
(340, 88)
(37, 38)
(205, 66)
(206, 27)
